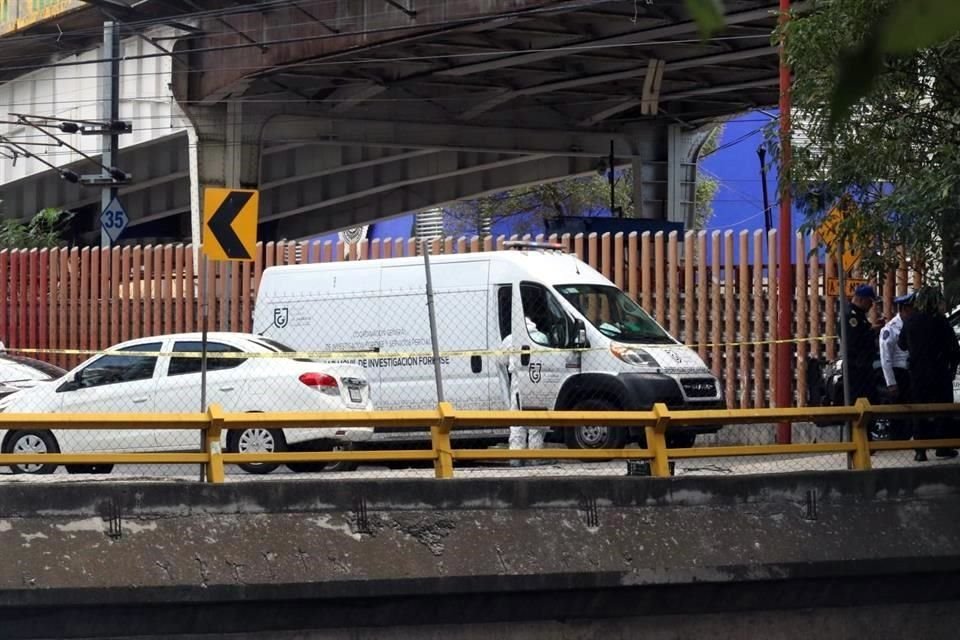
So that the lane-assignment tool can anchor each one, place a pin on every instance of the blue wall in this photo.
(738, 205)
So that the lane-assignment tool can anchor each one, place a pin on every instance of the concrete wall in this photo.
(579, 557)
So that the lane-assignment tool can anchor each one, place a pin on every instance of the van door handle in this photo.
(476, 364)
(226, 388)
(525, 355)
(139, 400)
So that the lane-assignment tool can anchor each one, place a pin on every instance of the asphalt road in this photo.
(719, 466)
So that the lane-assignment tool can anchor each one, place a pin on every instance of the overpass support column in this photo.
(683, 151)
(665, 173)
(641, 207)
(227, 142)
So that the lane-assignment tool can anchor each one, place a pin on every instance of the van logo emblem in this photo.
(535, 369)
(281, 316)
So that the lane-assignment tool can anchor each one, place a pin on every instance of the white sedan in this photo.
(122, 380)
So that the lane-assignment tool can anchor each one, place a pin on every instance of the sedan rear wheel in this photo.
(316, 467)
(257, 440)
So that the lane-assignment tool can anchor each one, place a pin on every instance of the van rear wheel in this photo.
(595, 436)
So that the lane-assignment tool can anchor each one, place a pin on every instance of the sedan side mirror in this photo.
(71, 382)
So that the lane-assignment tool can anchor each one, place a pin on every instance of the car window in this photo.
(114, 368)
(505, 309)
(181, 366)
(546, 321)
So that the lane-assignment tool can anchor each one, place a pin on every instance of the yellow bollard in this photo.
(860, 459)
(440, 439)
(657, 442)
(212, 440)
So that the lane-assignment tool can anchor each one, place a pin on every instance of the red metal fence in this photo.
(712, 291)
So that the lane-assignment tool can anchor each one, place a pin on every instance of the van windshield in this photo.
(613, 313)
(276, 346)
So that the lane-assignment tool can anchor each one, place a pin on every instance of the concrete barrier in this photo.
(320, 557)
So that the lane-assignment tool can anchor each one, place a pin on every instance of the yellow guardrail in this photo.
(445, 419)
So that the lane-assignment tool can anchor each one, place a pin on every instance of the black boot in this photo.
(946, 453)
(920, 455)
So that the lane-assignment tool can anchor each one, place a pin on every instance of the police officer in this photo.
(893, 361)
(934, 357)
(862, 343)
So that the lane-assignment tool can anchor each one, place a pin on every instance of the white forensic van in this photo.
(584, 343)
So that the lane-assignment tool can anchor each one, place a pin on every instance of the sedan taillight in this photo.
(321, 382)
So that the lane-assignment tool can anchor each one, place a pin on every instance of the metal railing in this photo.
(442, 421)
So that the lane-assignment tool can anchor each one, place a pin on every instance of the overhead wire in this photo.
(366, 31)
(561, 49)
(130, 27)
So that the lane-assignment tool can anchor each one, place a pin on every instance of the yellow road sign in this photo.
(828, 231)
(833, 286)
(230, 223)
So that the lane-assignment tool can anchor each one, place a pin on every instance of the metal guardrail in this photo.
(445, 419)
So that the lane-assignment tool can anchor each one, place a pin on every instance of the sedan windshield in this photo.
(613, 313)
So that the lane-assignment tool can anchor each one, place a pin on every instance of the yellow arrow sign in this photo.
(230, 223)
(828, 231)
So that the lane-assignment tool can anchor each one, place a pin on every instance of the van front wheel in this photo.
(595, 436)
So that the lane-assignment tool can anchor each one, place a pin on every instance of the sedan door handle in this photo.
(139, 400)
(226, 388)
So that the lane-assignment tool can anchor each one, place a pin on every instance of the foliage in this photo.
(894, 159)
(528, 208)
(901, 27)
(45, 229)
(707, 185)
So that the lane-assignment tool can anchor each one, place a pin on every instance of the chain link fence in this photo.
(530, 330)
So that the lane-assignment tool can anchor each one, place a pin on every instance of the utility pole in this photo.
(110, 113)
(613, 184)
(784, 348)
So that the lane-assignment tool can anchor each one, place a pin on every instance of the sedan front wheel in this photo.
(32, 442)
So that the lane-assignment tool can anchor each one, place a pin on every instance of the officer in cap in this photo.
(934, 357)
(862, 343)
(893, 361)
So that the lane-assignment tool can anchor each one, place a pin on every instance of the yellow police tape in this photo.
(353, 355)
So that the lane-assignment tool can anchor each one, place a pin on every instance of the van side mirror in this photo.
(579, 334)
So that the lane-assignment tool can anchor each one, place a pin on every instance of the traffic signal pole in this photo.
(784, 233)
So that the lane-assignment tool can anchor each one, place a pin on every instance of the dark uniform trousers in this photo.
(904, 427)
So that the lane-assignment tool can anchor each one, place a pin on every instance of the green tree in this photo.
(529, 207)
(707, 184)
(900, 27)
(45, 229)
(893, 155)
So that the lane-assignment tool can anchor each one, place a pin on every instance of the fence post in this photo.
(860, 459)
(657, 442)
(212, 444)
(440, 440)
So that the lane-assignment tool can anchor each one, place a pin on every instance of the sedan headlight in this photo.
(633, 355)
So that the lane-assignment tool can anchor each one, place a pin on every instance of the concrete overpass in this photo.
(345, 112)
